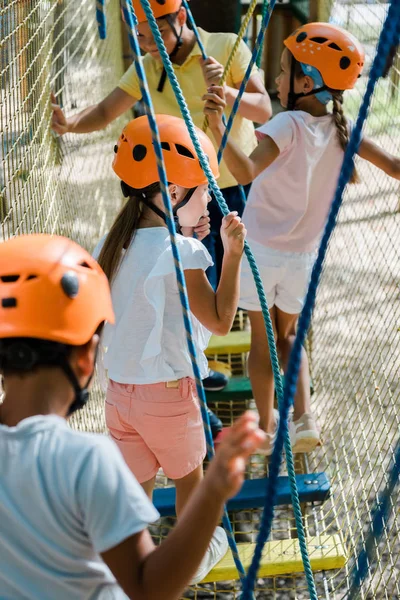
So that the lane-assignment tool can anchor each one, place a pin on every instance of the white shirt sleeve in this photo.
(112, 503)
(194, 254)
(281, 129)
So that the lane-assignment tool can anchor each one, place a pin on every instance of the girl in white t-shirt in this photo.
(294, 171)
(152, 409)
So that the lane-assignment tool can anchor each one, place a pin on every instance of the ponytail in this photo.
(124, 228)
(342, 127)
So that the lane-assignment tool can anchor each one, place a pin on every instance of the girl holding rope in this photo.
(152, 409)
(294, 171)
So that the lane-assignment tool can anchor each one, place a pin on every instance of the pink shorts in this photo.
(157, 425)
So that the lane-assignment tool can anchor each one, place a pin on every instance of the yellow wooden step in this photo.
(236, 342)
(282, 557)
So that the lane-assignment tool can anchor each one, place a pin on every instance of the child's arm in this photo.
(217, 310)
(149, 573)
(94, 117)
(255, 104)
(380, 158)
(244, 168)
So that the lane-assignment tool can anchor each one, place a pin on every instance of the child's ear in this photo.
(173, 192)
(85, 357)
(308, 84)
(182, 16)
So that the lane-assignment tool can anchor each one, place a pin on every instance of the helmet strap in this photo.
(162, 214)
(81, 394)
(292, 96)
(178, 46)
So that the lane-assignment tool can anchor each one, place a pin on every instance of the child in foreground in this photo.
(294, 171)
(73, 519)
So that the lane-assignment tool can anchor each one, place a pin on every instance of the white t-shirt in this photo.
(289, 202)
(65, 497)
(148, 343)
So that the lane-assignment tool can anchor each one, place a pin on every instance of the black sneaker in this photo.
(215, 423)
(215, 382)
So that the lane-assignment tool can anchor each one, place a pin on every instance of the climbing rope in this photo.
(204, 55)
(283, 425)
(195, 30)
(240, 36)
(129, 19)
(260, 54)
(389, 31)
(101, 19)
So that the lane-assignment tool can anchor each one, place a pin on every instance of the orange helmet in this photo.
(51, 289)
(135, 161)
(160, 8)
(337, 54)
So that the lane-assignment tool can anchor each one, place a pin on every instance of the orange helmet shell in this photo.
(51, 289)
(135, 160)
(337, 54)
(160, 8)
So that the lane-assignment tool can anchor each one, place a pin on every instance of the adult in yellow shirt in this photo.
(195, 75)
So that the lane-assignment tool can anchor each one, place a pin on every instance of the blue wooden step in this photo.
(312, 487)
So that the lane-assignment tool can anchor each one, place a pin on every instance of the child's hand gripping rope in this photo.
(212, 71)
(233, 234)
(215, 104)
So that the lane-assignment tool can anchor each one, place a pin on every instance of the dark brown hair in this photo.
(342, 127)
(123, 229)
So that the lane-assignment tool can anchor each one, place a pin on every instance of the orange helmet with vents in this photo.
(51, 289)
(337, 54)
(160, 8)
(135, 160)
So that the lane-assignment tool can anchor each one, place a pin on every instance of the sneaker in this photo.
(304, 434)
(215, 382)
(268, 446)
(215, 423)
(216, 551)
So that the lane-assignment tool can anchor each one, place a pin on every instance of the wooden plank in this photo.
(312, 487)
(236, 342)
(282, 557)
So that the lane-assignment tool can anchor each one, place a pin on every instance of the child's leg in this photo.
(286, 332)
(260, 369)
(185, 486)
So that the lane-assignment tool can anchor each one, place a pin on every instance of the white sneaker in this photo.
(304, 434)
(268, 446)
(216, 551)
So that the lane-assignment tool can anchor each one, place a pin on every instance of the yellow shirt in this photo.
(191, 80)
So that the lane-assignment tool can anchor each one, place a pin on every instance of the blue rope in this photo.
(101, 19)
(204, 56)
(386, 40)
(254, 56)
(128, 14)
(379, 519)
(283, 425)
(264, 11)
(195, 30)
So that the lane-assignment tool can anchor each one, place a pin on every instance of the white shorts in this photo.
(285, 277)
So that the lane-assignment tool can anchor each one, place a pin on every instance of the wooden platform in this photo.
(282, 557)
(236, 342)
(314, 487)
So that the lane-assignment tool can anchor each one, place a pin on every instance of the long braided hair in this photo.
(342, 127)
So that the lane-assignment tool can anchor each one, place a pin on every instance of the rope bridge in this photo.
(66, 186)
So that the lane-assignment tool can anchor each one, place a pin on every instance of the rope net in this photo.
(66, 186)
